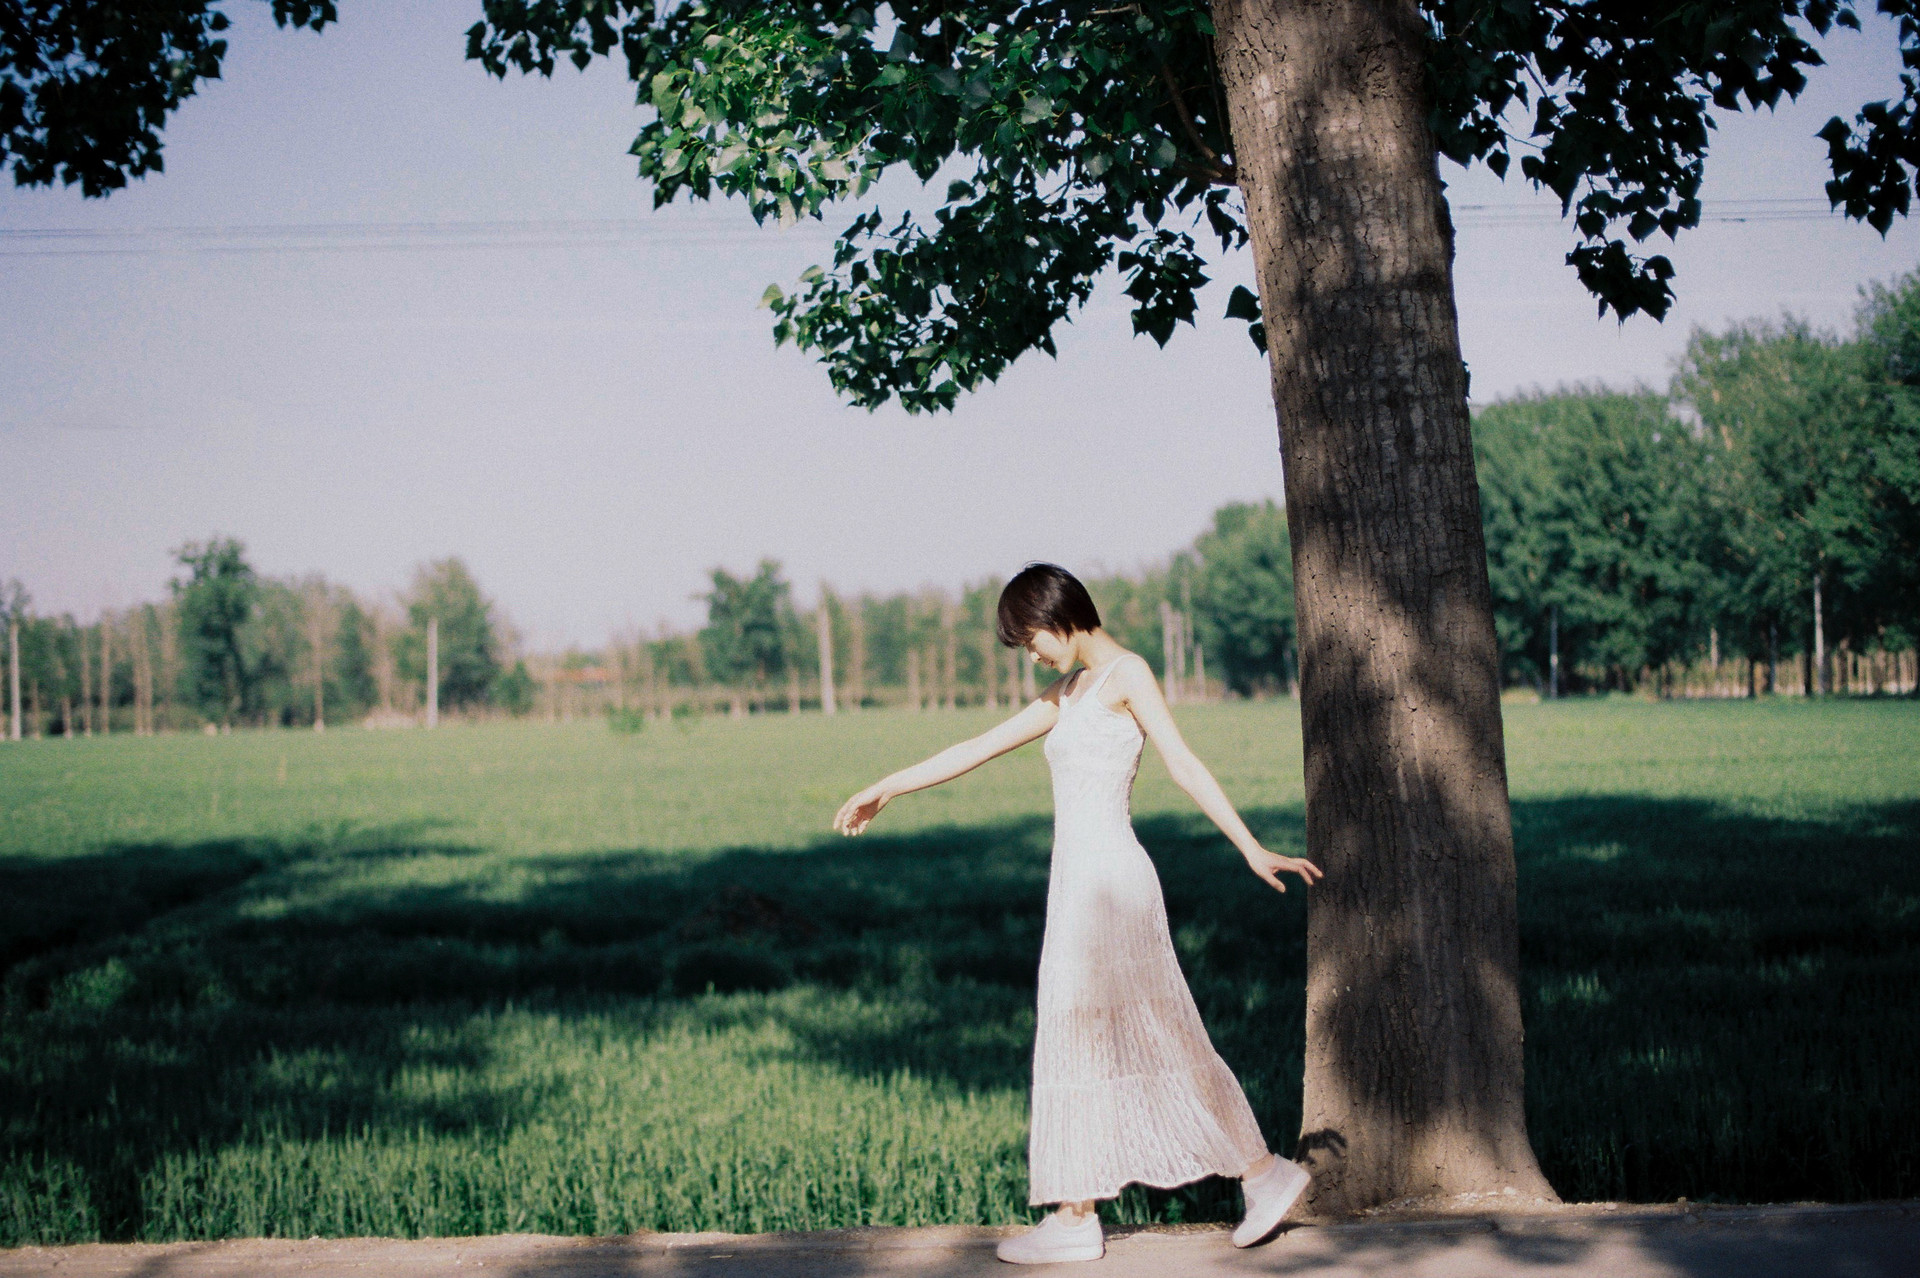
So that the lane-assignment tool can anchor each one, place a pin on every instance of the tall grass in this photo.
(554, 978)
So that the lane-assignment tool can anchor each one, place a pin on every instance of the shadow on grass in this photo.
(1719, 1005)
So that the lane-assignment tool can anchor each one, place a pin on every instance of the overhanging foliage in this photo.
(1094, 134)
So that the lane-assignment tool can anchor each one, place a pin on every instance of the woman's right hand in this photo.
(863, 807)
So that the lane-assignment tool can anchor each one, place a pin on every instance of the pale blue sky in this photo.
(592, 422)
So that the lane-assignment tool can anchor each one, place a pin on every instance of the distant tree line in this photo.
(1758, 525)
(1754, 528)
(229, 647)
(1214, 619)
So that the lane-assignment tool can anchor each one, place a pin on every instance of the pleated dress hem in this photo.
(1113, 1191)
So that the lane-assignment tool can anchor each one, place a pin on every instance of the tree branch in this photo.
(1215, 170)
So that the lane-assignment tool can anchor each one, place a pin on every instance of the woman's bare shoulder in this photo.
(1131, 676)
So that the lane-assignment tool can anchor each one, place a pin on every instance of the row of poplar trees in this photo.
(1216, 617)
(229, 647)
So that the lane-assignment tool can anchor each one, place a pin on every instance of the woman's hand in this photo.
(863, 807)
(1270, 866)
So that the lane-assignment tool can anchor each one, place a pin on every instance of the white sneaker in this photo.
(1055, 1239)
(1270, 1195)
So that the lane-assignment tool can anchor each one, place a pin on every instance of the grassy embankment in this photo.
(550, 978)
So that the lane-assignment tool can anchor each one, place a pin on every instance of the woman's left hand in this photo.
(860, 809)
(1270, 866)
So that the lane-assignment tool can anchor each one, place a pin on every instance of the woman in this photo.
(1126, 1085)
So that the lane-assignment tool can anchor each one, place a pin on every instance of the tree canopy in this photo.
(1081, 135)
(745, 639)
(1659, 523)
(86, 88)
(469, 647)
(1597, 496)
(216, 600)
(1816, 444)
(1244, 595)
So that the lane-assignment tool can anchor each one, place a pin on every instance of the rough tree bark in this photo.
(1413, 1055)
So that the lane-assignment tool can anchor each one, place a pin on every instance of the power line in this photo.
(365, 237)
(1721, 211)
(360, 237)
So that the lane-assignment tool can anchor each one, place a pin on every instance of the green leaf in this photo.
(1242, 304)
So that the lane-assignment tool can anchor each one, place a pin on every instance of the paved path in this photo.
(1876, 1240)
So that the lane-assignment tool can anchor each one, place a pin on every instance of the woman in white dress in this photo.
(1126, 1085)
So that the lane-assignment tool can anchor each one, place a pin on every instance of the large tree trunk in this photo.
(1413, 1054)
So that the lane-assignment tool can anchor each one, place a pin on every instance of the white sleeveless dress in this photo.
(1126, 1084)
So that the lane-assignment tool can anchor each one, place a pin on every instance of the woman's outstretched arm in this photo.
(1032, 721)
(1141, 691)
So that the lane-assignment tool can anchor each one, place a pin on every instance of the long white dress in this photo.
(1126, 1084)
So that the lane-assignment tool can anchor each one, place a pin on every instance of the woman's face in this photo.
(1049, 649)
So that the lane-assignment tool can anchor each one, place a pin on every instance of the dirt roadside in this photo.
(1870, 1240)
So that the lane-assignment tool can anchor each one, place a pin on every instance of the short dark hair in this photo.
(1044, 597)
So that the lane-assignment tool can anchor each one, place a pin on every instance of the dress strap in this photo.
(1101, 677)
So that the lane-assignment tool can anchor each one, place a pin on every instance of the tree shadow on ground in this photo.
(1714, 999)
(1719, 1004)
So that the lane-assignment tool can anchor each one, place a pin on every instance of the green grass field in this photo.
(553, 978)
